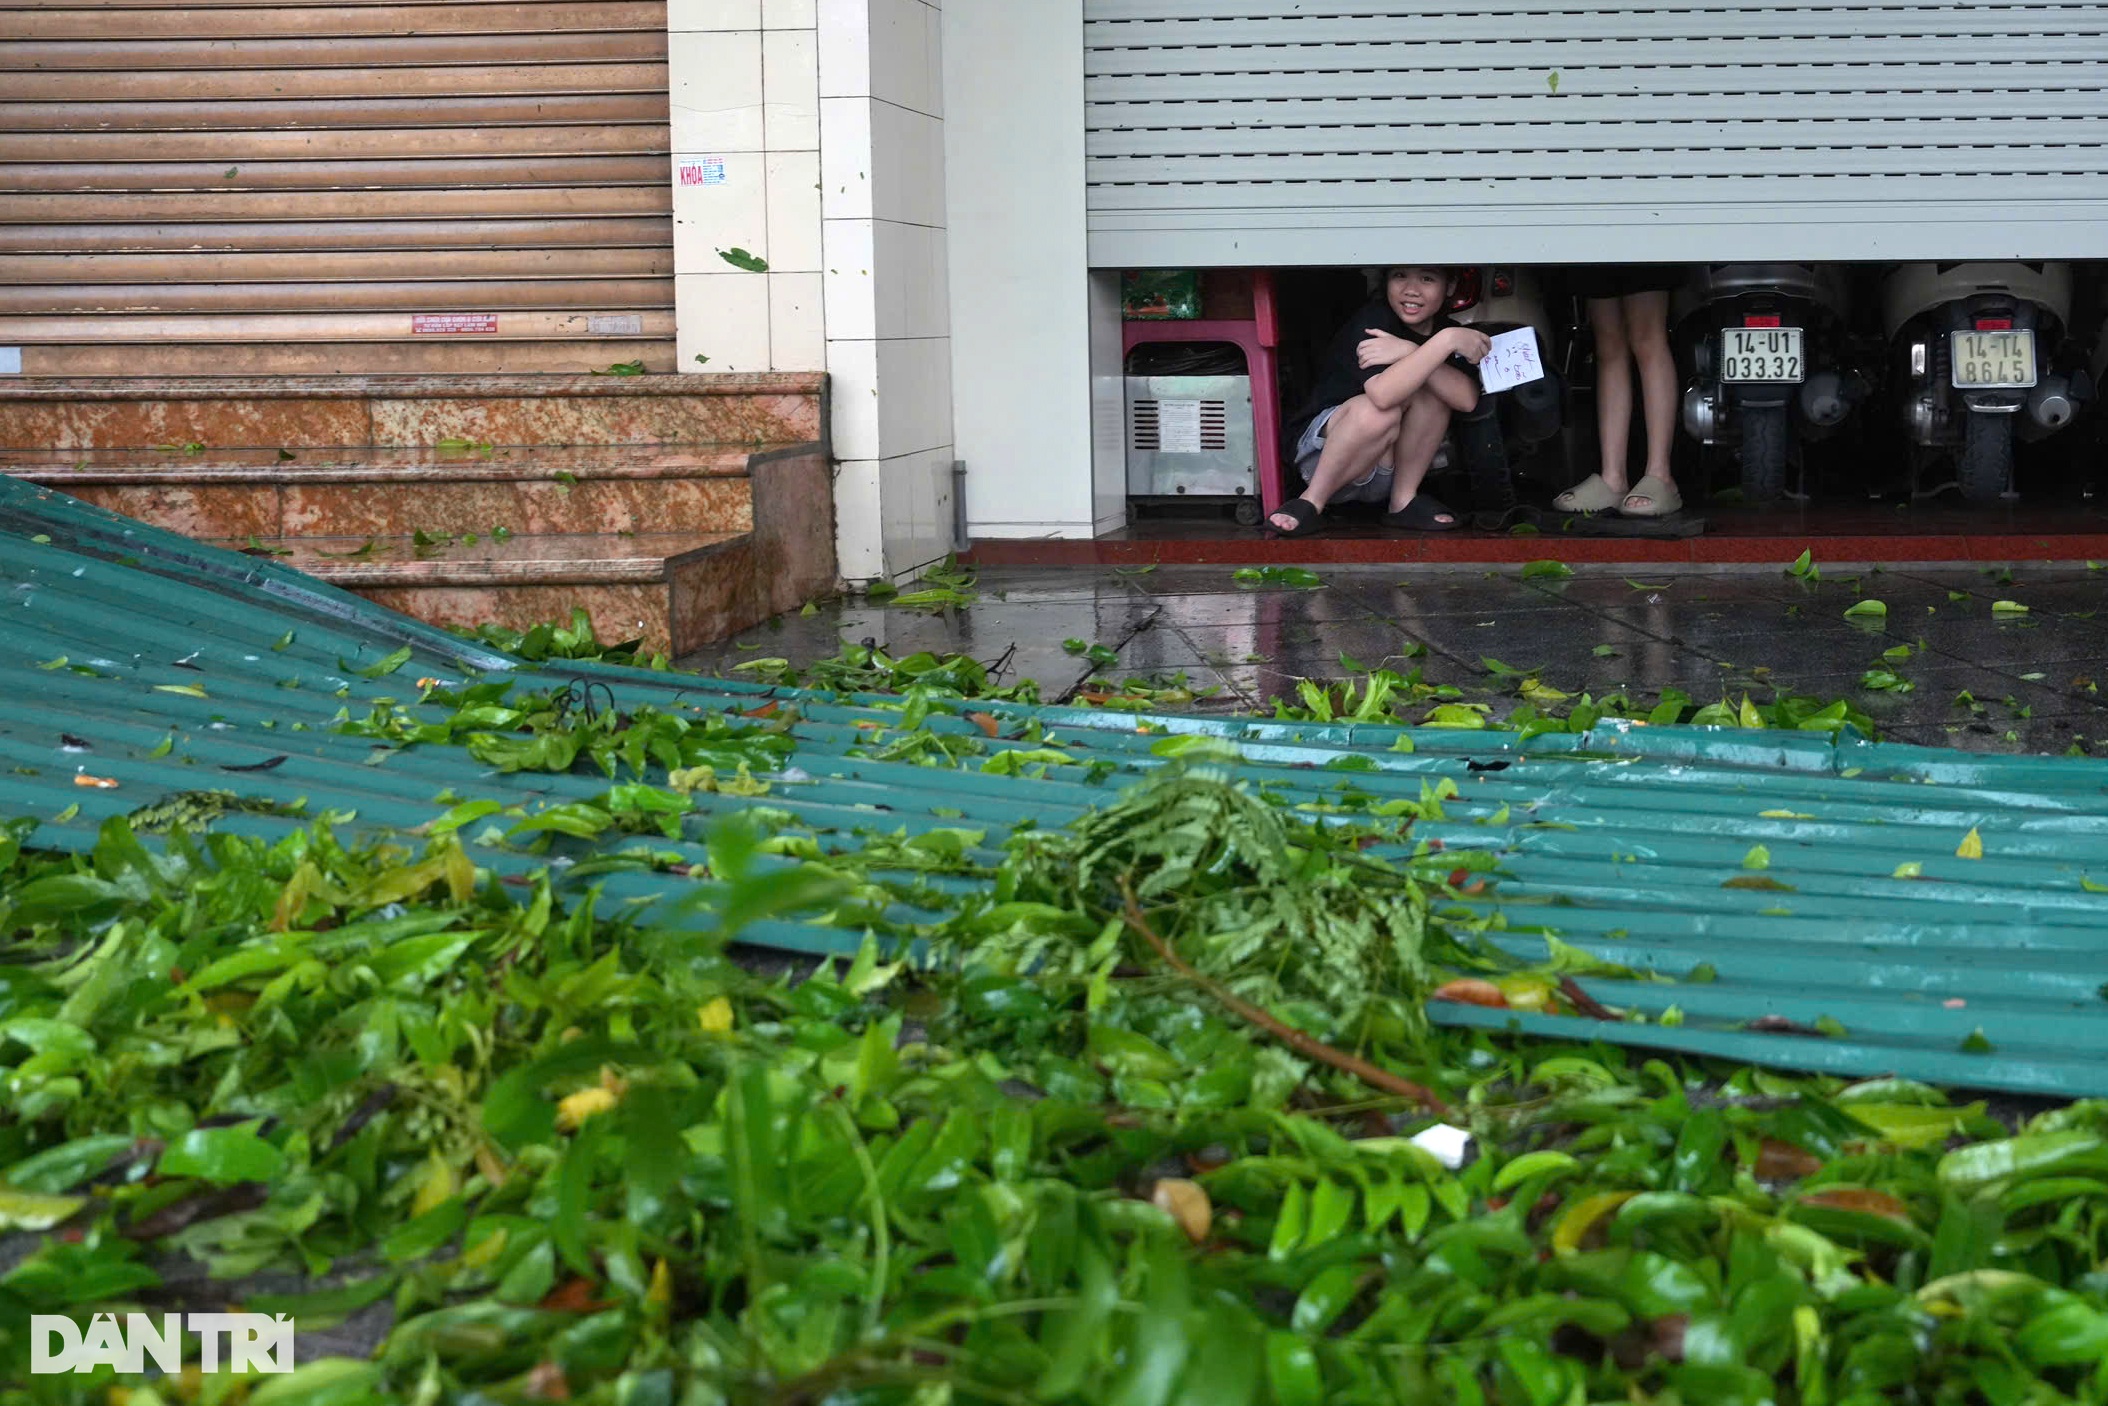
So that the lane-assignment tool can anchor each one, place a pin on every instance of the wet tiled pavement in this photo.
(1710, 632)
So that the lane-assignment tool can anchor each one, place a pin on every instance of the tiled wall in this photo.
(811, 133)
(745, 87)
(888, 313)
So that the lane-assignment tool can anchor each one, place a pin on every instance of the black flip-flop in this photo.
(1421, 515)
(1309, 517)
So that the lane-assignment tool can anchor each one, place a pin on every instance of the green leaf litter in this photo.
(1099, 1136)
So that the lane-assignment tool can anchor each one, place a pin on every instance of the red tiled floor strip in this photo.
(1250, 549)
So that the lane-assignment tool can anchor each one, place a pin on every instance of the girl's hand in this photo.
(1382, 349)
(1468, 343)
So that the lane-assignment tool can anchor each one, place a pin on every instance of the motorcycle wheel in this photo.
(1985, 468)
(1484, 451)
(1767, 438)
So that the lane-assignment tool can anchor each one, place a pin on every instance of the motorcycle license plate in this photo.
(1762, 354)
(1993, 360)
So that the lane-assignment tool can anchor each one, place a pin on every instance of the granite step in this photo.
(674, 509)
(655, 587)
(674, 590)
(395, 492)
(265, 412)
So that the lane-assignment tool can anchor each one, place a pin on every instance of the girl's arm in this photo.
(1456, 390)
(1399, 382)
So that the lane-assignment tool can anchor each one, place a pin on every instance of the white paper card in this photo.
(10, 361)
(1178, 426)
(1447, 1143)
(1512, 361)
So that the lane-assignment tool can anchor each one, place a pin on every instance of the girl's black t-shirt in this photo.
(1341, 376)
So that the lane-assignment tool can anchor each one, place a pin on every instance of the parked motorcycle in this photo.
(1768, 351)
(1982, 353)
(1511, 423)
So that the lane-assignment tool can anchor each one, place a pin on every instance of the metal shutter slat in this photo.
(432, 238)
(556, 109)
(259, 20)
(240, 85)
(333, 266)
(361, 51)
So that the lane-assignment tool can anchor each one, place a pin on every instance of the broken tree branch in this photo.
(1308, 1046)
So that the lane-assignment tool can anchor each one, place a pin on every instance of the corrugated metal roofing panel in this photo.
(1629, 842)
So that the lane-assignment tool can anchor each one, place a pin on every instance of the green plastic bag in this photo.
(1160, 294)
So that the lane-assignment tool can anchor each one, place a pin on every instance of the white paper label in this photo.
(615, 324)
(10, 361)
(452, 323)
(1178, 426)
(1512, 361)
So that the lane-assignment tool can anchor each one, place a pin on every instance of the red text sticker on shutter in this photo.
(710, 171)
(453, 322)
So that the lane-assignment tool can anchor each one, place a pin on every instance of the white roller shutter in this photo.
(1358, 131)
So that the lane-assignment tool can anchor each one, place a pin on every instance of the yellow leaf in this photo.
(743, 784)
(1783, 815)
(1527, 993)
(292, 899)
(487, 1249)
(460, 873)
(395, 885)
(690, 779)
(660, 1293)
(100, 783)
(1188, 1204)
(1971, 847)
(715, 1017)
(576, 1108)
(438, 1186)
(1582, 1217)
(28, 1210)
(487, 1163)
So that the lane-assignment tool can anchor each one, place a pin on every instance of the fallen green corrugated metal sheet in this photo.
(1618, 840)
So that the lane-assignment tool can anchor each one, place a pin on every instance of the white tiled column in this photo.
(885, 282)
(743, 76)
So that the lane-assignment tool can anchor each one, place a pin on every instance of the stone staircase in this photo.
(673, 509)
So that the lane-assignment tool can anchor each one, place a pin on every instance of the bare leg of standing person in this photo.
(1646, 326)
(1613, 389)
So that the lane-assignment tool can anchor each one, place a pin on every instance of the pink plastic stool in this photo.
(1259, 336)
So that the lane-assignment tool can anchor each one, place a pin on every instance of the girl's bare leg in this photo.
(1358, 437)
(1613, 389)
(1426, 421)
(1647, 330)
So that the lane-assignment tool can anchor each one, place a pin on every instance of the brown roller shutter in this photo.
(258, 189)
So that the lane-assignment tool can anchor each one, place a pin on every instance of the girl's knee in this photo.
(1362, 418)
